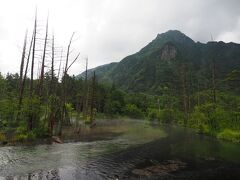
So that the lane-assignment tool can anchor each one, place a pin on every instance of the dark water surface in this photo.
(125, 150)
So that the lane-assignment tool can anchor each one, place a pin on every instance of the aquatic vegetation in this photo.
(2, 137)
(230, 135)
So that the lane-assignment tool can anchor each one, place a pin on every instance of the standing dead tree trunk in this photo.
(31, 116)
(93, 98)
(33, 55)
(63, 97)
(52, 116)
(60, 64)
(43, 62)
(21, 71)
(23, 76)
(22, 61)
(85, 106)
(52, 85)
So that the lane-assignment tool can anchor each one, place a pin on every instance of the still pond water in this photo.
(125, 149)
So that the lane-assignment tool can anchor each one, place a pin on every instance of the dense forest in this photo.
(172, 80)
(37, 101)
(194, 84)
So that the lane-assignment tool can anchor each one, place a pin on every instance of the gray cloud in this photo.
(109, 30)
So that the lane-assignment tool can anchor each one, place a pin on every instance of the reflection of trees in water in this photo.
(52, 174)
(9, 178)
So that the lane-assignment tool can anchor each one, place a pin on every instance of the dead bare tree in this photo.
(31, 116)
(21, 68)
(52, 115)
(63, 98)
(43, 62)
(52, 68)
(93, 98)
(22, 61)
(22, 86)
(59, 68)
(33, 54)
(85, 106)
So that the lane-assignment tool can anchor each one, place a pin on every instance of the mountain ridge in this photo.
(164, 55)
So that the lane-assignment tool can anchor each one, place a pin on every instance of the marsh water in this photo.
(124, 149)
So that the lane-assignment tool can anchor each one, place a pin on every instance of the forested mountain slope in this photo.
(172, 60)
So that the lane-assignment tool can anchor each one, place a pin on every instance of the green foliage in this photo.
(20, 138)
(197, 119)
(166, 115)
(133, 111)
(7, 112)
(229, 135)
(114, 102)
(152, 114)
(23, 136)
(2, 137)
(69, 108)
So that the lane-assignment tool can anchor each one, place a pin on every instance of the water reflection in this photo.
(136, 144)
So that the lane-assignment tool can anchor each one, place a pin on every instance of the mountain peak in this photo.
(176, 37)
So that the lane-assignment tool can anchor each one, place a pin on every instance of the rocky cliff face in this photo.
(168, 52)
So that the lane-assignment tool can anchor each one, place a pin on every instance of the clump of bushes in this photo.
(152, 114)
(29, 136)
(133, 111)
(165, 115)
(230, 135)
(2, 137)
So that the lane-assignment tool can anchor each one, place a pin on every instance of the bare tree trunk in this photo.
(33, 55)
(59, 68)
(52, 68)
(51, 92)
(63, 99)
(21, 71)
(25, 74)
(43, 62)
(22, 61)
(85, 107)
(93, 97)
(30, 123)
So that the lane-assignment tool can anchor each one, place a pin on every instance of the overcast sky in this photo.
(109, 30)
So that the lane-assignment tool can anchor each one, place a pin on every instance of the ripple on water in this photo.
(110, 157)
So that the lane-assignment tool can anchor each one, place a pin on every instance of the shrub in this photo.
(152, 114)
(132, 111)
(229, 135)
(2, 137)
(7, 112)
(20, 137)
(166, 116)
(214, 116)
(197, 119)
